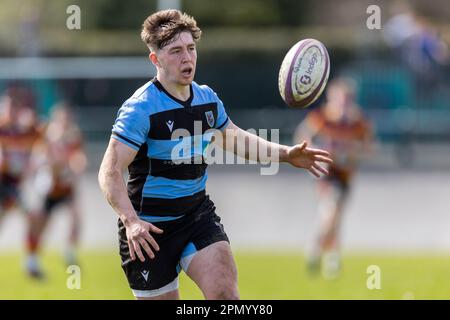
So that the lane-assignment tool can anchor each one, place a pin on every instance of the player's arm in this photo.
(37, 156)
(369, 143)
(78, 159)
(116, 159)
(299, 155)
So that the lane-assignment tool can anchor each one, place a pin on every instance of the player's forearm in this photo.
(115, 191)
(254, 148)
(78, 162)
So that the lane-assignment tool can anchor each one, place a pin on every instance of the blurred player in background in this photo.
(19, 132)
(418, 45)
(339, 127)
(57, 164)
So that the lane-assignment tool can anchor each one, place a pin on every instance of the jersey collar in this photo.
(186, 103)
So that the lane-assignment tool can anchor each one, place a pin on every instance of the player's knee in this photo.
(226, 288)
(227, 291)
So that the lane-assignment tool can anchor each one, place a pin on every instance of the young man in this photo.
(166, 220)
(340, 127)
(19, 133)
(57, 165)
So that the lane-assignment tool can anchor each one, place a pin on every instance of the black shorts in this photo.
(181, 239)
(341, 184)
(339, 179)
(9, 194)
(51, 202)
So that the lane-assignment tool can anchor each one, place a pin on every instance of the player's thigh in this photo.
(155, 278)
(214, 270)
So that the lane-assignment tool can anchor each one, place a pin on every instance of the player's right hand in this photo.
(139, 237)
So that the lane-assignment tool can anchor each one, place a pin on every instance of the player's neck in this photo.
(181, 92)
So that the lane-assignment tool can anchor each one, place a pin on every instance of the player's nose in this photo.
(186, 57)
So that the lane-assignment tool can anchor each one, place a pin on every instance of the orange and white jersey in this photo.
(345, 139)
(64, 150)
(15, 150)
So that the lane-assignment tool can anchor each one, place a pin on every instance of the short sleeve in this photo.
(222, 116)
(132, 125)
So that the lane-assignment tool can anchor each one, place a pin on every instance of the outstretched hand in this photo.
(301, 156)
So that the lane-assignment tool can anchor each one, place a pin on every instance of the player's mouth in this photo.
(187, 71)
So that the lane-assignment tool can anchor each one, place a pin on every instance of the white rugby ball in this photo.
(304, 73)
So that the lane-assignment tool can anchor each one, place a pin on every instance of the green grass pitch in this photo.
(262, 275)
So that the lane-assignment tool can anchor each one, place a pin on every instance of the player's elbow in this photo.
(101, 178)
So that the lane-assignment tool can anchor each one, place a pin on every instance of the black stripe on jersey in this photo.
(172, 207)
(126, 139)
(162, 124)
(226, 120)
(170, 170)
(138, 170)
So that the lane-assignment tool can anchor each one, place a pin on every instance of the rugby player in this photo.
(167, 222)
(340, 127)
(19, 133)
(57, 165)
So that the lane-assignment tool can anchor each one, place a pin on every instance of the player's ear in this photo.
(153, 58)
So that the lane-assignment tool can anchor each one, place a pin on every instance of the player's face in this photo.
(61, 116)
(176, 61)
(340, 101)
(27, 118)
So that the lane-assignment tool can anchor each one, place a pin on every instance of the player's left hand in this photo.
(301, 156)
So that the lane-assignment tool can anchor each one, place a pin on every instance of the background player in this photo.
(19, 131)
(19, 134)
(340, 127)
(57, 166)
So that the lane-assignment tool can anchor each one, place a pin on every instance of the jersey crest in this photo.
(210, 118)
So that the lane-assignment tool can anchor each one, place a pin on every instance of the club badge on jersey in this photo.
(210, 118)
